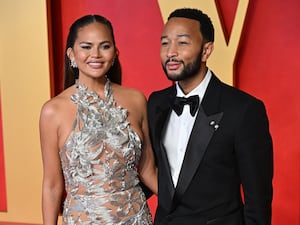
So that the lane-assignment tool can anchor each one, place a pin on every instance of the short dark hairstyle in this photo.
(206, 26)
(71, 74)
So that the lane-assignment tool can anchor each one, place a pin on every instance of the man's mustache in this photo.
(174, 60)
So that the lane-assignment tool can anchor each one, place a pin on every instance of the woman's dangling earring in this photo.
(113, 61)
(74, 64)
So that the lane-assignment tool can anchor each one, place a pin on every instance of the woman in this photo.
(94, 136)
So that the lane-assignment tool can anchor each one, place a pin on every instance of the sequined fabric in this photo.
(99, 163)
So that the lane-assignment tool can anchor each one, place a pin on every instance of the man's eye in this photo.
(182, 42)
(164, 43)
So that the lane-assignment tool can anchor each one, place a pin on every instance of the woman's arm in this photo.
(147, 167)
(53, 184)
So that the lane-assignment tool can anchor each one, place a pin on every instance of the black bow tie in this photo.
(178, 103)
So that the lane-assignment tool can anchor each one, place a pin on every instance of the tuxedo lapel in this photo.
(167, 189)
(168, 185)
(201, 134)
(206, 123)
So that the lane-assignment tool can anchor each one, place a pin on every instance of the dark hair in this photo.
(206, 26)
(71, 74)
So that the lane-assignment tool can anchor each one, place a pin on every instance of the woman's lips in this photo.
(95, 65)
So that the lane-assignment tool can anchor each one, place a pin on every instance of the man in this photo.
(214, 156)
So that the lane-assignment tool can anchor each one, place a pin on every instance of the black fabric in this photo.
(179, 102)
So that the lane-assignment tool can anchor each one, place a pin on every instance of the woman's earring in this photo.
(113, 61)
(74, 64)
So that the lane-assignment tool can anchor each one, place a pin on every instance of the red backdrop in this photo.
(137, 28)
(3, 204)
(266, 66)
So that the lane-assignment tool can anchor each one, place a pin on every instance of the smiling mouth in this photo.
(95, 65)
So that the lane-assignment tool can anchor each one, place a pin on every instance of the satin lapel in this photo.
(167, 189)
(202, 132)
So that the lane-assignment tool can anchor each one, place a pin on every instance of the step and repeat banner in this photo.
(256, 49)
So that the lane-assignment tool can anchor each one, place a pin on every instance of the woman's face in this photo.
(93, 50)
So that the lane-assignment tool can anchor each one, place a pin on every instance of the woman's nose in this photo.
(96, 52)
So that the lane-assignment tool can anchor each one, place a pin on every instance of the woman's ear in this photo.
(70, 54)
(207, 50)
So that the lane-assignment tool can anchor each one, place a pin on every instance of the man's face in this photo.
(181, 48)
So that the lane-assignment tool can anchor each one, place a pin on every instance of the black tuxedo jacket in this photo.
(230, 145)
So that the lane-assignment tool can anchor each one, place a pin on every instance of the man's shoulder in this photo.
(163, 92)
(238, 94)
(232, 92)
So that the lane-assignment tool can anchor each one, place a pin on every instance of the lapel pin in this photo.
(214, 124)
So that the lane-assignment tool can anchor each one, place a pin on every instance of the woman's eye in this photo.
(86, 47)
(105, 46)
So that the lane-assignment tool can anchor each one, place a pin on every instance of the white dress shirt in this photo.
(179, 128)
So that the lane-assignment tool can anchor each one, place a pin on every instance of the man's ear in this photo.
(207, 50)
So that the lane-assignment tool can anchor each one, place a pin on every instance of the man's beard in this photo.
(189, 70)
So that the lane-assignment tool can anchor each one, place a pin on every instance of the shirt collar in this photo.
(199, 90)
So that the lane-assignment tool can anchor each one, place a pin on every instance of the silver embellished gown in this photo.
(99, 163)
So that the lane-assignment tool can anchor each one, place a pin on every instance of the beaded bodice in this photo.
(99, 163)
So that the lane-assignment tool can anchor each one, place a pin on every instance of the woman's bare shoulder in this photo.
(56, 105)
(129, 95)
